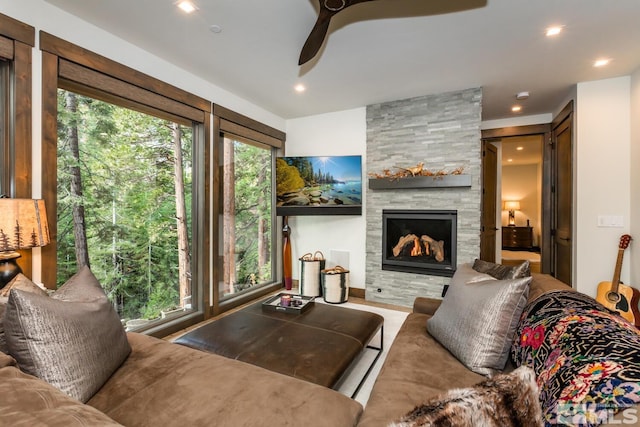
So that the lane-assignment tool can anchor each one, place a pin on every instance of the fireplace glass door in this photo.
(419, 241)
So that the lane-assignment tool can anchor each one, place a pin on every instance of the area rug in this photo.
(392, 321)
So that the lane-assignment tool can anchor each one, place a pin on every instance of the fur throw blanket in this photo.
(505, 400)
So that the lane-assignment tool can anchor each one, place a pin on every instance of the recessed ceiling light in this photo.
(516, 108)
(299, 88)
(553, 31)
(187, 6)
(601, 62)
(519, 148)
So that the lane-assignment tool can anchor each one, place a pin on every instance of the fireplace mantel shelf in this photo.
(442, 181)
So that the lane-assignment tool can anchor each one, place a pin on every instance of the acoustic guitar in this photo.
(617, 296)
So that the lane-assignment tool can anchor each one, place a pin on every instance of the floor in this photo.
(393, 319)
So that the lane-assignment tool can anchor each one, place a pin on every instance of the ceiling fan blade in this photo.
(316, 37)
(328, 8)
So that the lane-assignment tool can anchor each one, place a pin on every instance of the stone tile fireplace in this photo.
(443, 131)
(419, 241)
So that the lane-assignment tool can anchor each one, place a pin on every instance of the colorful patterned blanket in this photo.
(586, 359)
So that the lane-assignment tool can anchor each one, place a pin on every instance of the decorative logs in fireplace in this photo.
(411, 245)
(419, 241)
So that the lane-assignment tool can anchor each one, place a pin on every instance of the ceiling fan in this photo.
(328, 8)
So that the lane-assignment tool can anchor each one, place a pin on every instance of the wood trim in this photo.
(6, 48)
(545, 131)
(243, 132)
(94, 61)
(99, 82)
(17, 30)
(49, 163)
(233, 117)
(22, 120)
(113, 99)
(357, 293)
(562, 115)
(22, 134)
(206, 229)
(516, 131)
(216, 204)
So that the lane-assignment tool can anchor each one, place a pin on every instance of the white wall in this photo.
(332, 134)
(517, 121)
(634, 249)
(603, 177)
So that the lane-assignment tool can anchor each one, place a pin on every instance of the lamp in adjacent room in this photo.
(23, 225)
(512, 206)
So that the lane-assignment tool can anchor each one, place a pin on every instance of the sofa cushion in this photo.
(504, 400)
(73, 340)
(28, 401)
(167, 384)
(19, 282)
(500, 271)
(587, 359)
(476, 321)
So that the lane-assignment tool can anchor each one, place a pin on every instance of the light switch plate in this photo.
(616, 221)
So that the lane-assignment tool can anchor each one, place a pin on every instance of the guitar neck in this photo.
(616, 274)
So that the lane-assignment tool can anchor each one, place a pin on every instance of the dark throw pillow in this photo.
(502, 272)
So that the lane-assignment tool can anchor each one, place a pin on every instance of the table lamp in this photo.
(512, 207)
(23, 225)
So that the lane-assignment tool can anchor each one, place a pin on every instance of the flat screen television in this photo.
(319, 185)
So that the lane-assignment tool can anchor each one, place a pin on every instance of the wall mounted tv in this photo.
(319, 185)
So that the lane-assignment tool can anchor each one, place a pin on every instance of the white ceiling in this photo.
(383, 50)
(522, 150)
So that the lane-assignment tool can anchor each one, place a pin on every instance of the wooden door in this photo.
(562, 194)
(489, 195)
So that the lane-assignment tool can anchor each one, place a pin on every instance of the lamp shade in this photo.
(23, 224)
(512, 205)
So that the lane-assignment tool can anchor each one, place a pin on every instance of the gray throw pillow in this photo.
(500, 271)
(23, 283)
(73, 340)
(476, 321)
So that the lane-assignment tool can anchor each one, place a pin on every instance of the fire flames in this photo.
(417, 249)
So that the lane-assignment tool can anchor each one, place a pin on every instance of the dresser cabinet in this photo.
(517, 237)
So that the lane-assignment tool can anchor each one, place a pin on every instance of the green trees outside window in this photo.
(124, 205)
(248, 216)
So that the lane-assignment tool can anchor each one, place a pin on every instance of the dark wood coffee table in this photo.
(318, 345)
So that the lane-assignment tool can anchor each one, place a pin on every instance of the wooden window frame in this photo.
(68, 66)
(17, 40)
(228, 122)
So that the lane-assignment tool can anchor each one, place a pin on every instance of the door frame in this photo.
(563, 121)
(545, 131)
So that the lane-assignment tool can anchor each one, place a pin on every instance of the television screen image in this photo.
(319, 185)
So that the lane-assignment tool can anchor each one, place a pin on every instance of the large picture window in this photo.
(248, 216)
(125, 174)
(124, 206)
